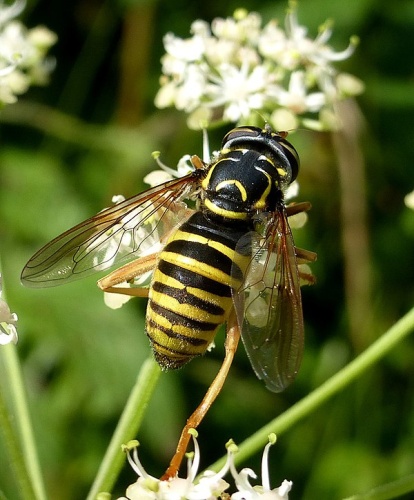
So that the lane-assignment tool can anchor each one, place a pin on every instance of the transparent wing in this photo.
(126, 231)
(268, 304)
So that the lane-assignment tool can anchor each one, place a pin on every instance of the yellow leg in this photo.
(127, 273)
(231, 342)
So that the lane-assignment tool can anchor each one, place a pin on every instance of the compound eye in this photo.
(291, 157)
(240, 134)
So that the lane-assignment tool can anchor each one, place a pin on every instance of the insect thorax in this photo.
(240, 184)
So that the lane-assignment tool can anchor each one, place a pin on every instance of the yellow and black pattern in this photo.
(191, 291)
(233, 253)
(199, 270)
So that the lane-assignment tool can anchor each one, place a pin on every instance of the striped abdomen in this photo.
(190, 295)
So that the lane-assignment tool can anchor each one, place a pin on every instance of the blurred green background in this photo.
(68, 148)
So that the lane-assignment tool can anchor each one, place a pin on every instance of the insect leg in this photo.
(231, 342)
(297, 208)
(127, 273)
(303, 256)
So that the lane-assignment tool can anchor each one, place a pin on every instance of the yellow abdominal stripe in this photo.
(212, 298)
(183, 235)
(165, 324)
(194, 265)
(187, 310)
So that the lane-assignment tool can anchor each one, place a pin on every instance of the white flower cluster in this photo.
(237, 70)
(22, 53)
(210, 486)
(8, 332)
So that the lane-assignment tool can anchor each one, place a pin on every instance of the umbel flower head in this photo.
(210, 485)
(23, 51)
(237, 70)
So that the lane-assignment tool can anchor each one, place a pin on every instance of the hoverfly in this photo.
(231, 259)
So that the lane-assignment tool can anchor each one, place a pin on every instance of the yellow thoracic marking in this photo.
(261, 202)
(206, 181)
(281, 172)
(223, 212)
(236, 183)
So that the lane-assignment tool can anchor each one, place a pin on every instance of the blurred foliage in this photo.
(66, 149)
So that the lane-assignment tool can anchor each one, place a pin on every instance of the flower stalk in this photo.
(17, 432)
(20, 465)
(127, 427)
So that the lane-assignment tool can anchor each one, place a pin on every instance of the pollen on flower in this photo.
(238, 69)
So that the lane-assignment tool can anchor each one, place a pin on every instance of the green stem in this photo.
(21, 444)
(328, 389)
(127, 428)
(387, 491)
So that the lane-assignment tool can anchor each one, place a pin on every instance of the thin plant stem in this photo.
(395, 489)
(354, 225)
(20, 438)
(138, 28)
(127, 428)
(13, 448)
(328, 389)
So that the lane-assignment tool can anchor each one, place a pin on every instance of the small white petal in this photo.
(8, 12)
(284, 488)
(198, 118)
(166, 95)
(157, 177)
(41, 37)
(349, 85)
(115, 300)
(298, 220)
(283, 119)
(409, 200)
(8, 334)
(292, 191)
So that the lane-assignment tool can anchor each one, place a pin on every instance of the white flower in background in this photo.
(238, 70)
(210, 485)
(409, 200)
(8, 332)
(23, 51)
(166, 173)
